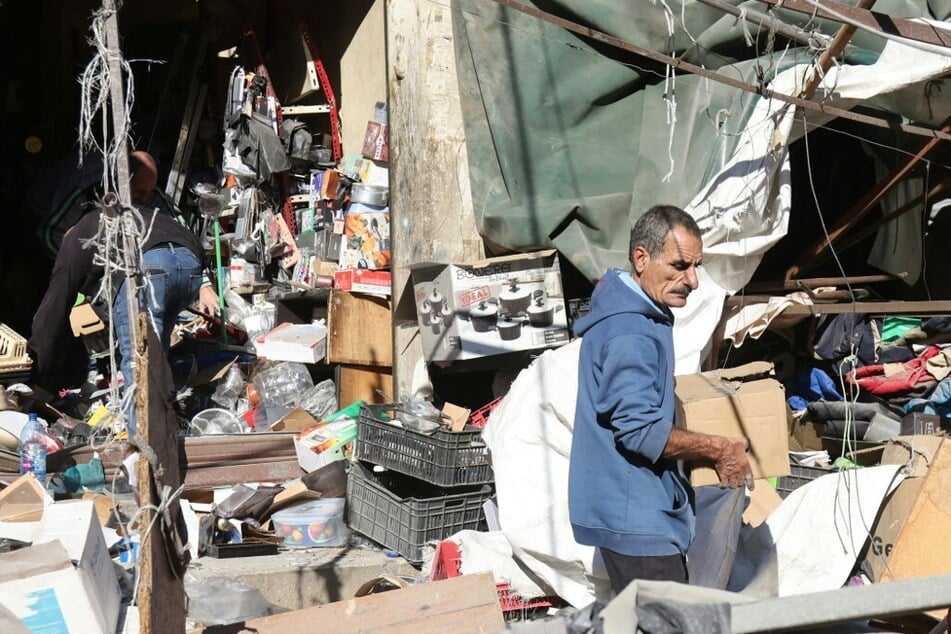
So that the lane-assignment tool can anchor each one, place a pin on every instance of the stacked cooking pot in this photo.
(437, 313)
(514, 307)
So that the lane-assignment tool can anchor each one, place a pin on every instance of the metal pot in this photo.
(436, 301)
(509, 327)
(483, 316)
(514, 299)
(541, 314)
(446, 315)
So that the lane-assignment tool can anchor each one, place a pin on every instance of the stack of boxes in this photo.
(406, 488)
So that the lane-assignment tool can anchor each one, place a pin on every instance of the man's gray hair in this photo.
(650, 231)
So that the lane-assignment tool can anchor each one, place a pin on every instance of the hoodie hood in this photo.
(612, 295)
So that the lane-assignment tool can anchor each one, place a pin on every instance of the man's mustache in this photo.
(682, 290)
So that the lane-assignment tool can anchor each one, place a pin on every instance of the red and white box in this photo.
(364, 281)
(303, 343)
(375, 144)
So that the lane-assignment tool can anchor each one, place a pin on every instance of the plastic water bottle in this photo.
(33, 449)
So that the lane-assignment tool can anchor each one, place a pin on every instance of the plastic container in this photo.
(446, 565)
(33, 449)
(444, 458)
(217, 421)
(283, 383)
(403, 513)
(480, 417)
(799, 476)
(313, 523)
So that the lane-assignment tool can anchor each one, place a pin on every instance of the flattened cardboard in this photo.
(458, 415)
(743, 401)
(763, 501)
(295, 420)
(83, 320)
(23, 501)
(105, 509)
(910, 536)
(296, 491)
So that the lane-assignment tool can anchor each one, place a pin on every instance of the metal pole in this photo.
(856, 603)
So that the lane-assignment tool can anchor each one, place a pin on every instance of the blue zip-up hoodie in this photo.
(622, 494)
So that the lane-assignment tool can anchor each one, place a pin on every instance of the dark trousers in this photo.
(623, 569)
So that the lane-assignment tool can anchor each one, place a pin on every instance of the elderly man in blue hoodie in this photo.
(627, 493)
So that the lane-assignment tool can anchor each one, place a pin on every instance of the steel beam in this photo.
(902, 27)
(845, 605)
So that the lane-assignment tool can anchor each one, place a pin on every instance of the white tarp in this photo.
(529, 434)
(809, 543)
(743, 210)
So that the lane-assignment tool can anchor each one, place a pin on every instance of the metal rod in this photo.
(770, 22)
(818, 609)
(218, 275)
(817, 282)
(681, 65)
(893, 25)
(833, 51)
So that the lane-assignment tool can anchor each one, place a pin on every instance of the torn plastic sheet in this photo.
(569, 140)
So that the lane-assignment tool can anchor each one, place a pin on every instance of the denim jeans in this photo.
(174, 275)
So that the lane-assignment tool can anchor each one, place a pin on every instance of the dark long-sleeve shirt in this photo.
(74, 271)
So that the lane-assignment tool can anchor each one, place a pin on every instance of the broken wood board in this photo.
(358, 382)
(469, 603)
(360, 330)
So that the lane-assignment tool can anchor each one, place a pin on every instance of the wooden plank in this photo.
(355, 383)
(360, 329)
(161, 589)
(818, 282)
(432, 217)
(873, 308)
(469, 603)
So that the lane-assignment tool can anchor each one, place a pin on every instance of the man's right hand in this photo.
(732, 465)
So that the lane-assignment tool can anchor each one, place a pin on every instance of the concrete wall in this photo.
(431, 204)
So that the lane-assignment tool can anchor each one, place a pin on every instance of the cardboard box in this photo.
(303, 343)
(909, 538)
(919, 423)
(324, 443)
(366, 237)
(23, 501)
(364, 281)
(490, 307)
(375, 145)
(361, 330)
(743, 401)
(65, 581)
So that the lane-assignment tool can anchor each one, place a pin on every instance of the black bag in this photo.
(297, 141)
(258, 146)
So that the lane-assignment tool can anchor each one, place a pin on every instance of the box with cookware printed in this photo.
(490, 307)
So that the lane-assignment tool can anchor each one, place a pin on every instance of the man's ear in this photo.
(639, 259)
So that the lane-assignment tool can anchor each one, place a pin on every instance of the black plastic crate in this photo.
(446, 458)
(799, 476)
(403, 513)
